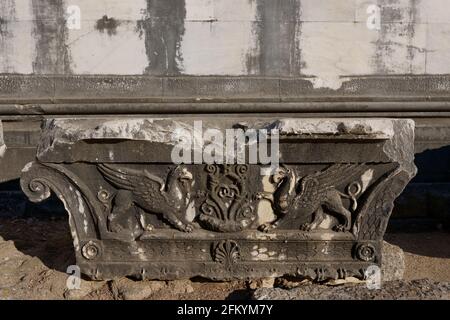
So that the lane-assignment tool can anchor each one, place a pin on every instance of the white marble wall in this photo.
(325, 39)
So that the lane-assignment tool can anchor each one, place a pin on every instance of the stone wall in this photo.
(321, 39)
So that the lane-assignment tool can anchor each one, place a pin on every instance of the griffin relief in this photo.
(314, 196)
(169, 199)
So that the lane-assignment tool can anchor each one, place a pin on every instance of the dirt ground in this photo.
(35, 253)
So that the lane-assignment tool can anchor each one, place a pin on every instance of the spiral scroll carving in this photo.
(37, 189)
(39, 180)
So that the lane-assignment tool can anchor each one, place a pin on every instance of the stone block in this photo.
(107, 88)
(317, 205)
(395, 290)
(393, 263)
(221, 88)
(13, 87)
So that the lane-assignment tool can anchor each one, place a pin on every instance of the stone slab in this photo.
(394, 290)
(157, 134)
(134, 210)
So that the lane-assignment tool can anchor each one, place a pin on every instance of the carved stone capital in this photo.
(322, 212)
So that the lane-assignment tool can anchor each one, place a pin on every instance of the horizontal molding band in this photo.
(41, 89)
(394, 108)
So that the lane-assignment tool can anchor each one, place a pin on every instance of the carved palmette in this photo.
(226, 252)
(228, 206)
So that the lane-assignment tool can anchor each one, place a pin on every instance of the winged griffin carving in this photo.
(315, 195)
(169, 198)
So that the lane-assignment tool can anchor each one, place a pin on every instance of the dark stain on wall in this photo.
(411, 32)
(3, 27)
(7, 14)
(50, 31)
(396, 21)
(163, 30)
(107, 24)
(278, 32)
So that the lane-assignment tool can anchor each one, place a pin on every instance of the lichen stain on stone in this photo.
(397, 21)
(278, 33)
(263, 254)
(80, 203)
(163, 28)
(107, 24)
(191, 211)
(366, 179)
(27, 167)
(50, 32)
(76, 241)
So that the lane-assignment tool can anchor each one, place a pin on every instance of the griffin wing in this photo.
(336, 174)
(312, 185)
(141, 183)
(309, 193)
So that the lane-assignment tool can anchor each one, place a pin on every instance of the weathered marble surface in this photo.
(322, 39)
(322, 213)
(393, 264)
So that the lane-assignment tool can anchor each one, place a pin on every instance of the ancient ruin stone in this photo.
(393, 265)
(321, 213)
(399, 290)
(128, 289)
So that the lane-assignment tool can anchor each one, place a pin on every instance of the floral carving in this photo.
(365, 252)
(228, 205)
(227, 252)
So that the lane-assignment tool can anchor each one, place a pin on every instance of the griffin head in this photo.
(280, 175)
(183, 176)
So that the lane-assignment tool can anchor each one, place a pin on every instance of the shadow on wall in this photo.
(14, 203)
(434, 166)
(428, 194)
